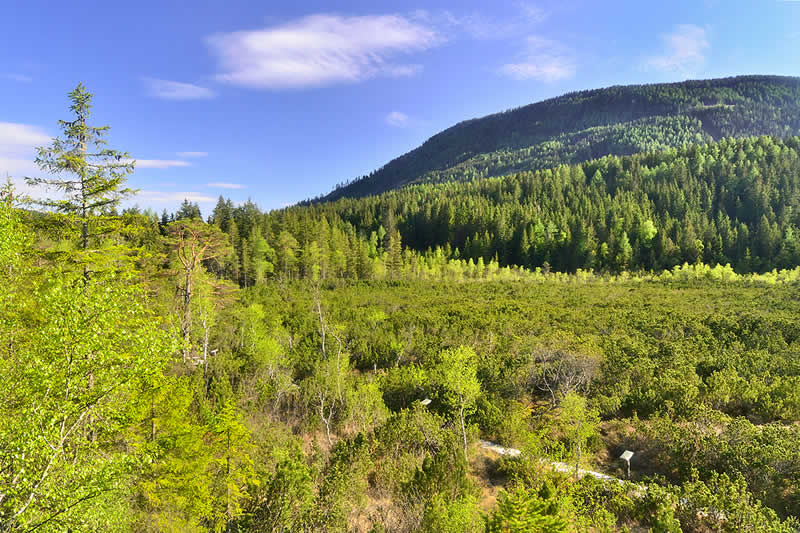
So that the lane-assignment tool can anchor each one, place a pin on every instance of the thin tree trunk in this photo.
(578, 449)
(228, 510)
(187, 314)
(318, 305)
(326, 421)
(85, 247)
(463, 431)
(205, 346)
(152, 418)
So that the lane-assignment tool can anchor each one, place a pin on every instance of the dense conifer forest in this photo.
(576, 127)
(359, 365)
(734, 202)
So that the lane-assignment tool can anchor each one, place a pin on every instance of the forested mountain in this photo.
(575, 127)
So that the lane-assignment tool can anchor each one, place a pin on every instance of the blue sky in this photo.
(279, 101)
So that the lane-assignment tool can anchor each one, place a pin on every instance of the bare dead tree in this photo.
(558, 372)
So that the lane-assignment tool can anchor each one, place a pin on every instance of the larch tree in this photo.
(88, 176)
(194, 242)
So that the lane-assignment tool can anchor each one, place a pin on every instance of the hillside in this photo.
(576, 127)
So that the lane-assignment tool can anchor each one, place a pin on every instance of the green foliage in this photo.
(725, 504)
(522, 510)
(342, 487)
(286, 500)
(444, 472)
(68, 376)
(174, 488)
(232, 467)
(14, 237)
(444, 514)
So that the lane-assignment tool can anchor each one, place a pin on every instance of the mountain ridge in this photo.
(583, 125)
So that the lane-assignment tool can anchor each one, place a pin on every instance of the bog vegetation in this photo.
(335, 367)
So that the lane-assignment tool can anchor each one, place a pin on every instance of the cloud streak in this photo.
(175, 90)
(542, 60)
(159, 163)
(21, 78)
(684, 50)
(397, 119)
(223, 185)
(163, 197)
(17, 154)
(483, 26)
(320, 50)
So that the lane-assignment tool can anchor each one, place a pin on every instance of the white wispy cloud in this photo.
(543, 60)
(17, 148)
(531, 12)
(223, 185)
(159, 163)
(169, 197)
(320, 50)
(684, 50)
(397, 118)
(403, 71)
(18, 144)
(191, 154)
(21, 137)
(485, 25)
(13, 76)
(17, 167)
(175, 90)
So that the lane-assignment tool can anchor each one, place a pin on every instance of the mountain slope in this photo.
(576, 127)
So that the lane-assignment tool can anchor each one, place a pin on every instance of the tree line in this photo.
(732, 202)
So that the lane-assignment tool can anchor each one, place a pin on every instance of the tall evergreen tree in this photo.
(90, 176)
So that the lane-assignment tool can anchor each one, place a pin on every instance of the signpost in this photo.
(626, 456)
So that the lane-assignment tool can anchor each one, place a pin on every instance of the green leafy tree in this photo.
(442, 513)
(455, 377)
(174, 489)
(580, 423)
(68, 378)
(287, 247)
